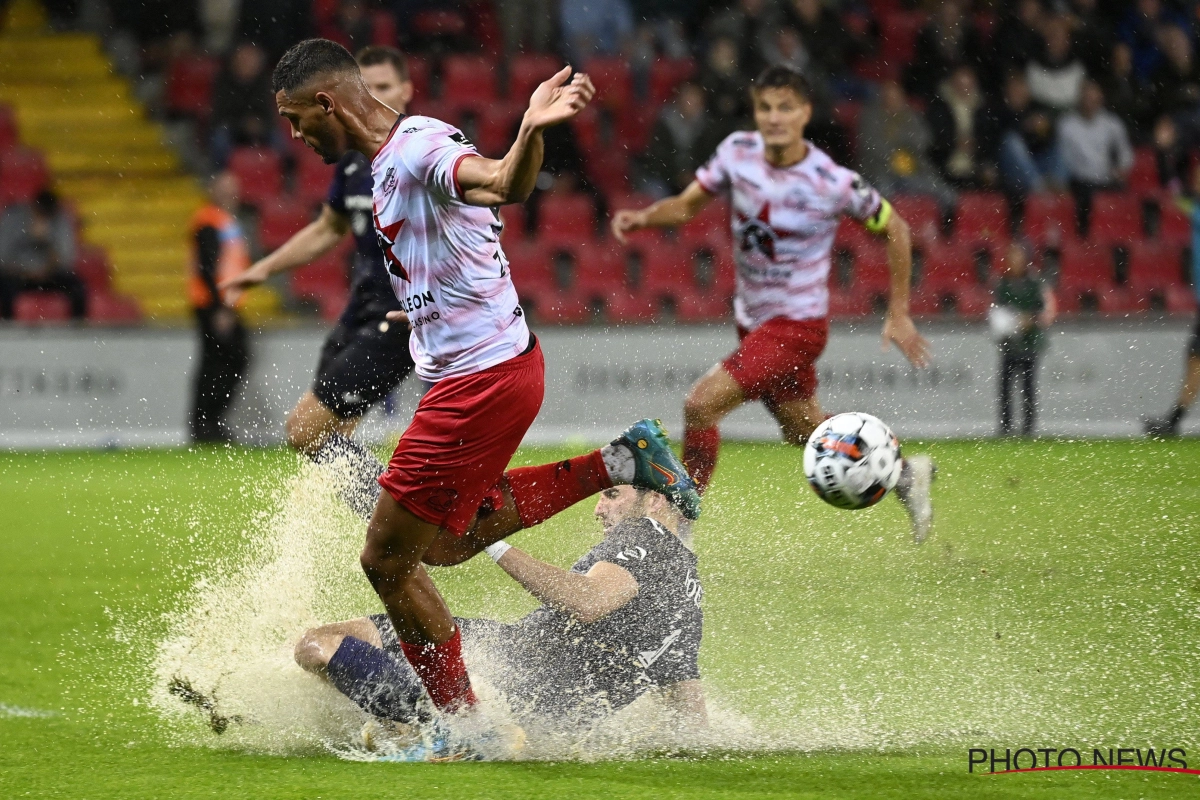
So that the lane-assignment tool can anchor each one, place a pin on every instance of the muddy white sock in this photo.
(619, 463)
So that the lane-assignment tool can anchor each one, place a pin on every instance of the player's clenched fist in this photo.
(627, 221)
(556, 101)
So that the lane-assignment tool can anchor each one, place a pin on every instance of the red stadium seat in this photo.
(325, 282)
(23, 173)
(665, 75)
(529, 264)
(610, 173)
(668, 272)
(516, 224)
(280, 219)
(107, 308)
(1086, 280)
(557, 307)
(91, 265)
(634, 126)
(710, 226)
(496, 128)
(701, 307)
(418, 73)
(469, 81)
(600, 268)
(922, 214)
(898, 35)
(613, 80)
(40, 307)
(567, 215)
(1116, 218)
(948, 278)
(1049, 218)
(311, 179)
(624, 307)
(189, 85)
(1174, 225)
(981, 216)
(434, 23)
(1156, 276)
(259, 171)
(526, 71)
(1143, 178)
(871, 277)
(383, 29)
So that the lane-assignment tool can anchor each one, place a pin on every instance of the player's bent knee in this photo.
(315, 648)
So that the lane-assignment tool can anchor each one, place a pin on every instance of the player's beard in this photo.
(326, 146)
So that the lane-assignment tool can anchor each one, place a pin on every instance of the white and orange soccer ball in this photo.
(852, 460)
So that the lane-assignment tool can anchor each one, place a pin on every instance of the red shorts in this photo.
(777, 361)
(461, 438)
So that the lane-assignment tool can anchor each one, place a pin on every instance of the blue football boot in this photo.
(656, 468)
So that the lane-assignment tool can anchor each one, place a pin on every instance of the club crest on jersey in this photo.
(386, 234)
(389, 181)
(755, 234)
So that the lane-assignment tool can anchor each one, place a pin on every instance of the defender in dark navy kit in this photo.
(365, 356)
(624, 620)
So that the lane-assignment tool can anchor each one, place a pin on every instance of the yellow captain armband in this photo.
(878, 223)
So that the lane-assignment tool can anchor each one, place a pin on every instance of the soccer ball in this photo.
(852, 460)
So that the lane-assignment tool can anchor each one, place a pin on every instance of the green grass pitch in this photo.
(1057, 604)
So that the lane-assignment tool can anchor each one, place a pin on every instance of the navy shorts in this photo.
(360, 365)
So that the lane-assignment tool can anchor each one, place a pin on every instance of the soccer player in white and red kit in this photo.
(787, 198)
(434, 201)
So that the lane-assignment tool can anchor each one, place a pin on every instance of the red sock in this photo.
(700, 447)
(543, 491)
(440, 667)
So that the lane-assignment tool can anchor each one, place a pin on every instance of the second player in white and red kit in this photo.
(786, 199)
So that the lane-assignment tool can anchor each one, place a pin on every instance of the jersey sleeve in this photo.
(629, 548)
(337, 189)
(434, 157)
(713, 175)
(860, 201)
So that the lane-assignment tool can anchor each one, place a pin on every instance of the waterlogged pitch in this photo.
(1055, 607)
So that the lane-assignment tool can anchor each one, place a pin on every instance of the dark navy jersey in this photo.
(371, 294)
(555, 663)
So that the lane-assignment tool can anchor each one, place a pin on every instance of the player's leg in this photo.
(352, 656)
(396, 541)
(797, 418)
(1029, 388)
(528, 496)
(1007, 371)
(358, 368)
(708, 402)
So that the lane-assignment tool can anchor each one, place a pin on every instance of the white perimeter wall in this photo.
(94, 388)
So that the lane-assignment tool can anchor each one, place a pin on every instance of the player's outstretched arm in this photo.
(898, 327)
(488, 182)
(588, 597)
(666, 213)
(306, 245)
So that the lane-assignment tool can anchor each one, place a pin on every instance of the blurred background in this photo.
(1070, 125)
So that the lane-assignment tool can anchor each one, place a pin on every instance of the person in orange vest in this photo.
(219, 252)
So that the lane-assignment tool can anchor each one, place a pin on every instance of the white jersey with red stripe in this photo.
(444, 256)
(784, 221)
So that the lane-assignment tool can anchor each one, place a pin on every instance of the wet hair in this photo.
(781, 77)
(311, 58)
(376, 54)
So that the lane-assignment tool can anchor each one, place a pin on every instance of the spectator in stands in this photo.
(528, 25)
(1140, 30)
(683, 139)
(1092, 34)
(958, 124)
(1175, 82)
(1056, 74)
(37, 252)
(950, 39)
(1095, 148)
(1018, 38)
(1170, 156)
(1024, 309)
(893, 148)
(1028, 155)
(595, 28)
(1128, 97)
(750, 24)
(219, 252)
(724, 80)
(830, 43)
(244, 110)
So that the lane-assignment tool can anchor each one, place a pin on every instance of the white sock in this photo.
(619, 463)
